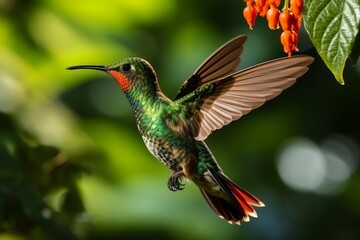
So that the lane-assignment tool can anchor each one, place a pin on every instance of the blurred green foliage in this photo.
(37, 182)
(72, 164)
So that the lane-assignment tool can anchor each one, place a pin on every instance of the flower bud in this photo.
(250, 15)
(272, 16)
(286, 19)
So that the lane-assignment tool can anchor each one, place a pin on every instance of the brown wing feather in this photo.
(243, 91)
(221, 63)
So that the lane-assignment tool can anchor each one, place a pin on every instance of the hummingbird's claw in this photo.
(174, 182)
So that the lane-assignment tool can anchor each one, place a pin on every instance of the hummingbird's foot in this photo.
(174, 182)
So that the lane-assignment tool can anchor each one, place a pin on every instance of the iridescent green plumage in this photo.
(212, 97)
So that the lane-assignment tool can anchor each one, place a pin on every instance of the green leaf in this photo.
(333, 26)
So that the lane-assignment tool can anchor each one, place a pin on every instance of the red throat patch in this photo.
(123, 81)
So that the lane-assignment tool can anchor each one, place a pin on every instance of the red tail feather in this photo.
(244, 198)
(239, 203)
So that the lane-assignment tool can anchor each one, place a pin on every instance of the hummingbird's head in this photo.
(130, 73)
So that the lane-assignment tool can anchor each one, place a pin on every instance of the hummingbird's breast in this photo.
(167, 146)
(165, 151)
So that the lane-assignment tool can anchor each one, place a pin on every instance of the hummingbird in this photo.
(213, 96)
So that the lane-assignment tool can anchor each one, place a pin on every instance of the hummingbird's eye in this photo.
(126, 67)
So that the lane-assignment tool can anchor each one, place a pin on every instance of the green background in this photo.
(103, 183)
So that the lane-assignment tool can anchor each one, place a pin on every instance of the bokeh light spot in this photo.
(305, 166)
(301, 165)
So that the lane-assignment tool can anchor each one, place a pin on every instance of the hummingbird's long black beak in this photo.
(94, 67)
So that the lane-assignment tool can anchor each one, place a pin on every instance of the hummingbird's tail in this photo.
(241, 203)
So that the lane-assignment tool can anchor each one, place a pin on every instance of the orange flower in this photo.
(289, 19)
(250, 13)
(296, 24)
(274, 3)
(296, 7)
(272, 15)
(289, 41)
(262, 6)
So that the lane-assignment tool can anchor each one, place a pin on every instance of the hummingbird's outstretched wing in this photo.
(221, 63)
(221, 101)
